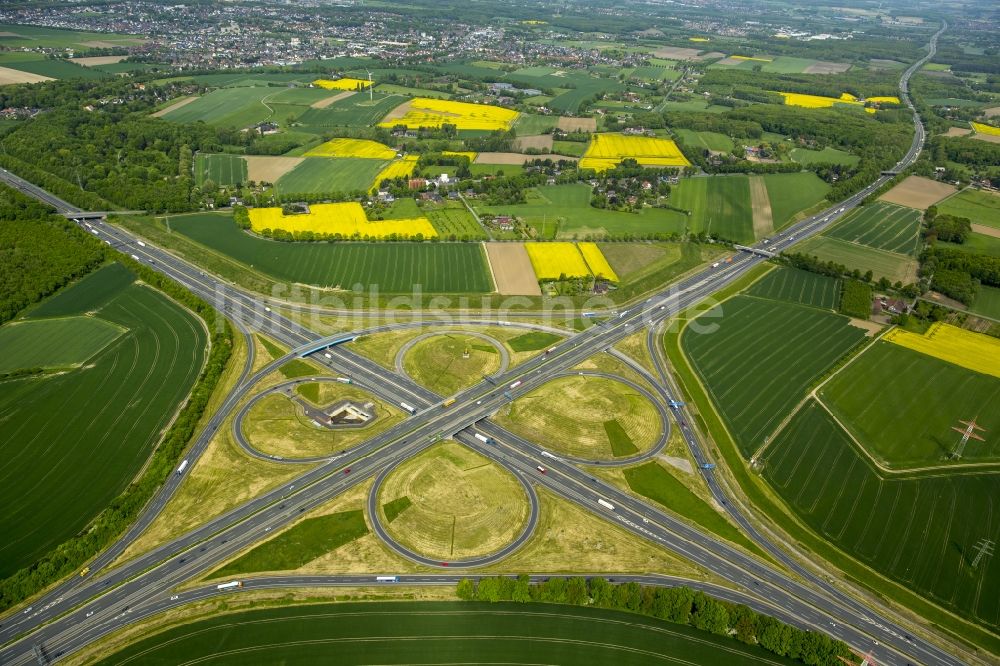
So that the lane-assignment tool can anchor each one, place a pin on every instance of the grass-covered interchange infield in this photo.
(393, 267)
(442, 633)
(864, 464)
(74, 439)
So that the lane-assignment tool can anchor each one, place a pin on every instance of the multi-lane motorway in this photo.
(79, 611)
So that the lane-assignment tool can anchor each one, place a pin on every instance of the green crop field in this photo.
(440, 633)
(709, 140)
(73, 441)
(564, 211)
(920, 530)
(882, 398)
(979, 244)
(757, 357)
(828, 155)
(529, 124)
(718, 204)
(882, 226)
(453, 221)
(353, 111)
(17, 35)
(655, 74)
(980, 207)
(791, 193)
(54, 343)
(896, 267)
(56, 69)
(797, 286)
(300, 544)
(533, 341)
(320, 175)
(987, 302)
(393, 267)
(221, 169)
(227, 107)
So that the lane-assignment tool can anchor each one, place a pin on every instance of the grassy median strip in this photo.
(299, 545)
(533, 341)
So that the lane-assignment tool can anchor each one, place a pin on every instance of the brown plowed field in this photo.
(512, 271)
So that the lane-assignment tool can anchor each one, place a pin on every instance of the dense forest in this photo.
(39, 252)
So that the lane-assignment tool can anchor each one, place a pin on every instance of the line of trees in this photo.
(680, 605)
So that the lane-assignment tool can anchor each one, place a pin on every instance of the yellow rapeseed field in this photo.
(883, 100)
(596, 261)
(426, 112)
(607, 150)
(736, 57)
(342, 84)
(974, 351)
(820, 102)
(346, 219)
(697, 39)
(353, 148)
(396, 169)
(465, 153)
(552, 260)
(986, 129)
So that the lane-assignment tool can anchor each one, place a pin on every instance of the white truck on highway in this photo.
(515, 384)
(231, 585)
(344, 380)
(408, 408)
(483, 438)
(387, 579)
(184, 464)
(606, 504)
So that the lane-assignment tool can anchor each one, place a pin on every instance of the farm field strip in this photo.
(881, 226)
(221, 169)
(346, 219)
(980, 207)
(607, 150)
(363, 148)
(919, 531)
(426, 112)
(760, 358)
(894, 266)
(718, 205)
(798, 286)
(958, 346)
(324, 175)
(393, 267)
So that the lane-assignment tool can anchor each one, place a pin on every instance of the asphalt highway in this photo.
(117, 597)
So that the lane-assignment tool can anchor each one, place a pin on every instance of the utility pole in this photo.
(985, 549)
(968, 432)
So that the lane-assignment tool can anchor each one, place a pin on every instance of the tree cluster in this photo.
(855, 298)
(680, 605)
(949, 228)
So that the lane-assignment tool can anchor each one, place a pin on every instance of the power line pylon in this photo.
(984, 548)
(968, 432)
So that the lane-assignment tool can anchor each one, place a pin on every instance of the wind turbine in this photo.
(371, 93)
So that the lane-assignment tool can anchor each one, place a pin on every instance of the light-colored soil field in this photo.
(176, 105)
(985, 230)
(918, 192)
(9, 76)
(327, 101)
(537, 141)
(676, 53)
(439, 364)
(957, 131)
(94, 61)
(760, 204)
(462, 504)
(992, 138)
(568, 124)
(399, 111)
(268, 169)
(101, 44)
(510, 158)
(568, 415)
(278, 426)
(827, 68)
(512, 271)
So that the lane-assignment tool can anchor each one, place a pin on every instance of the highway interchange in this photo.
(77, 612)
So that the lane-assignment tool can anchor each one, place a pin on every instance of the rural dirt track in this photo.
(512, 271)
(176, 105)
(986, 231)
(760, 202)
(327, 101)
(918, 192)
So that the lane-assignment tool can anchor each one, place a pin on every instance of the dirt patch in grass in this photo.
(399, 111)
(327, 101)
(9, 76)
(918, 192)
(512, 271)
(567, 124)
(957, 131)
(992, 111)
(268, 169)
(870, 327)
(94, 61)
(992, 138)
(676, 53)
(827, 68)
(536, 141)
(760, 203)
(986, 231)
(176, 105)
(463, 505)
